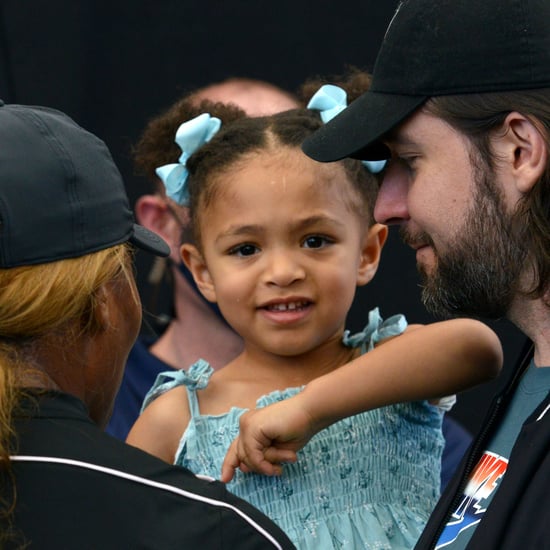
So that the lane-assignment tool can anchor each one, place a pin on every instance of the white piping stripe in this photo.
(145, 481)
(543, 413)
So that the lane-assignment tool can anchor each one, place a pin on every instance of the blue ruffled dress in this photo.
(369, 481)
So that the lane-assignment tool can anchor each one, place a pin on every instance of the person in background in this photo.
(69, 314)
(460, 105)
(255, 97)
(281, 243)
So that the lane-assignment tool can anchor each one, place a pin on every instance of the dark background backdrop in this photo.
(113, 65)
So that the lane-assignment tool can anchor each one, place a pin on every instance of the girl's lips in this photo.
(286, 312)
(287, 306)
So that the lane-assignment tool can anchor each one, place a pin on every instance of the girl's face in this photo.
(283, 251)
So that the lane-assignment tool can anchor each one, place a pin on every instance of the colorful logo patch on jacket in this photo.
(480, 488)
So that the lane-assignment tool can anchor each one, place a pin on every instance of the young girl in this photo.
(281, 244)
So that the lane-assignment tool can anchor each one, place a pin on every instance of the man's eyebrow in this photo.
(400, 138)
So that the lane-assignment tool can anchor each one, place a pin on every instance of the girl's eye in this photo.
(316, 241)
(244, 250)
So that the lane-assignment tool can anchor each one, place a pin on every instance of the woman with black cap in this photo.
(69, 314)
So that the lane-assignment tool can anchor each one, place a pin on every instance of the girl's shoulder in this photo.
(173, 397)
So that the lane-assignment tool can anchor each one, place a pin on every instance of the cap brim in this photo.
(147, 240)
(357, 130)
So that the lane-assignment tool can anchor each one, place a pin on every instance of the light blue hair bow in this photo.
(191, 135)
(331, 100)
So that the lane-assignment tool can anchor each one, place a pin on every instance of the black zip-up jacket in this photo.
(79, 488)
(518, 517)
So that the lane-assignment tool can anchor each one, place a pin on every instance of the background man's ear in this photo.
(373, 243)
(194, 261)
(154, 213)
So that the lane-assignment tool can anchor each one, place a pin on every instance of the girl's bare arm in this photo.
(160, 426)
(425, 363)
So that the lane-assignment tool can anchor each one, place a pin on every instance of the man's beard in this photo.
(479, 274)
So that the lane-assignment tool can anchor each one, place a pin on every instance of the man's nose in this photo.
(391, 202)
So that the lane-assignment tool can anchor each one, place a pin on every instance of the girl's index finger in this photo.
(230, 463)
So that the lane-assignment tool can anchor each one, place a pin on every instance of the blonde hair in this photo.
(37, 303)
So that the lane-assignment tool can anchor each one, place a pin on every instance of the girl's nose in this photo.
(283, 268)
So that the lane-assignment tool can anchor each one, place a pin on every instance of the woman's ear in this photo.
(100, 314)
(373, 243)
(194, 261)
(524, 147)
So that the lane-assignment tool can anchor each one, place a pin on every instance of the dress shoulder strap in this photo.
(195, 378)
(376, 330)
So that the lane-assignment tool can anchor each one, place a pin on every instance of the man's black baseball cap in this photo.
(61, 195)
(434, 48)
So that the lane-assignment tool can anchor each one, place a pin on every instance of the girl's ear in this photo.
(373, 242)
(194, 261)
(524, 147)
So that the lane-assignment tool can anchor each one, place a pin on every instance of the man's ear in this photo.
(373, 243)
(524, 148)
(194, 261)
(154, 213)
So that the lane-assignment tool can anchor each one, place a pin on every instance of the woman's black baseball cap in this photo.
(434, 48)
(61, 195)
